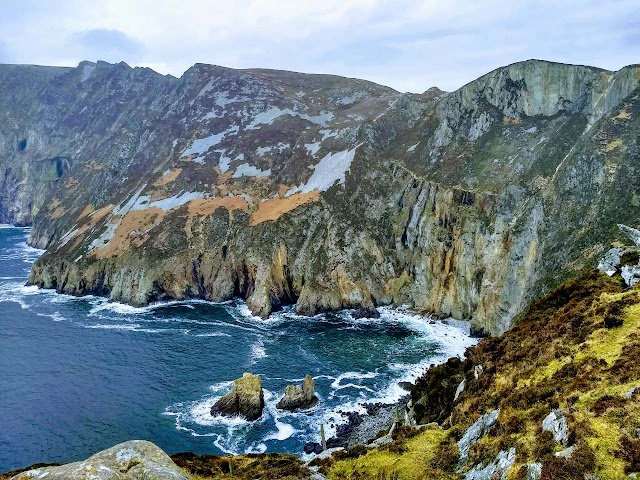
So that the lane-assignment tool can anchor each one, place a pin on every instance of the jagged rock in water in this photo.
(365, 312)
(246, 399)
(318, 190)
(475, 432)
(312, 447)
(299, 398)
(133, 460)
(556, 423)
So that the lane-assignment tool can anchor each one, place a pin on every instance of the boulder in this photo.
(365, 312)
(299, 398)
(133, 460)
(246, 399)
(312, 447)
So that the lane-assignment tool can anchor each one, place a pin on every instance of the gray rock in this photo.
(498, 469)
(630, 393)
(365, 312)
(556, 423)
(631, 274)
(632, 233)
(459, 390)
(299, 398)
(475, 432)
(534, 471)
(610, 261)
(566, 453)
(246, 399)
(133, 460)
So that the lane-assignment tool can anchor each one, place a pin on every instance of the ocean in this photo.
(80, 374)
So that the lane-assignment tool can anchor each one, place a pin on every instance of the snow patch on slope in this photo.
(141, 202)
(269, 116)
(202, 145)
(312, 148)
(331, 169)
(87, 71)
(260, 151)
(247, 170)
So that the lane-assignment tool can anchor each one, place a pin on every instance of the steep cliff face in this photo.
(324, 191)
(53, 118)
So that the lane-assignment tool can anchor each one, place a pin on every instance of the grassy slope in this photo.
(577, 348)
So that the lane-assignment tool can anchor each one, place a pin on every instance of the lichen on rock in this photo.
(132, 460)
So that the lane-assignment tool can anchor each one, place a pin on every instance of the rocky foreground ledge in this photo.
(142, 460)
(136, 459)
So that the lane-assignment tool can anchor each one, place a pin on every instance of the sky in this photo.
(405, 44)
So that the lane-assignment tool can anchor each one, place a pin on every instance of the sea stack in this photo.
(246, 399)
(299, 398)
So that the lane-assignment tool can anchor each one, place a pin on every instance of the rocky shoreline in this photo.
(362, 429)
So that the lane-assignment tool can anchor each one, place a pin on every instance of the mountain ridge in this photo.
(326, 192)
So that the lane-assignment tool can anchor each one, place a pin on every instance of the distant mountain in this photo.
(330, 192)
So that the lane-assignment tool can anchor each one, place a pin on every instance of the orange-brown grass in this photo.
(133, 230)
(168, 178)
(273, 208)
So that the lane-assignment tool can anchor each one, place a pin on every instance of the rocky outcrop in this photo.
(246, 399)
(475, 432)
(365, 312)
(317, 190)
(133, 460)
(624, 261)
(498, 469)
(556, 424)
(299, 398)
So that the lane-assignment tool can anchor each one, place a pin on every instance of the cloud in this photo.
(106, 44)
(407, 44)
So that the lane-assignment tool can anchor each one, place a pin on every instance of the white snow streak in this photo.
(331, 169)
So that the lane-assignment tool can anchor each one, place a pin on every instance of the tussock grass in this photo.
(576, 348)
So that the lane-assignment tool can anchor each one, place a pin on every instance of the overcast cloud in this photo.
(408, 45)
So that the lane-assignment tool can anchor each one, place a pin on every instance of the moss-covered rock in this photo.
(246, 399)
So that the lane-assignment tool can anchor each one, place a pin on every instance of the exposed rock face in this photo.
(329, 192)
(475, 432)
(498, 469)
(556, 423)
(133, 460)
(246, 399)
(299, 398)
(623, 260)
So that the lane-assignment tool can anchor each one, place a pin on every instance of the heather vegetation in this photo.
(573, 351)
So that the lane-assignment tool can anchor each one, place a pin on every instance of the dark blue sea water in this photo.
(78, 375)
